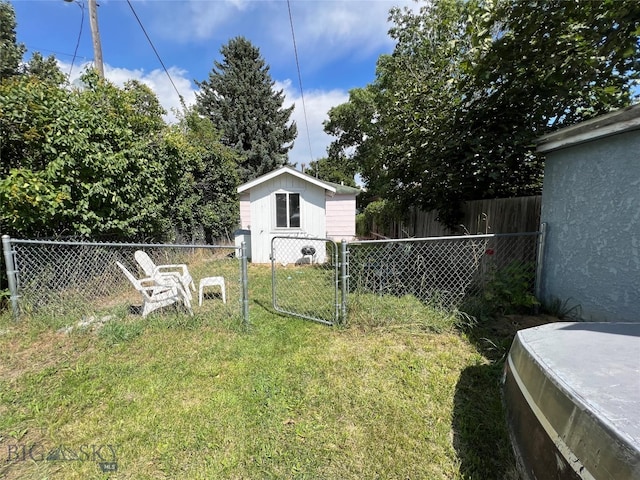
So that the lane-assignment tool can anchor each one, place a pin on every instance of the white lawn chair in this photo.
(176, 271)
(157, 293)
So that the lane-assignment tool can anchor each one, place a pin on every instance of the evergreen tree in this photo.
(10, 52)
(240, 100)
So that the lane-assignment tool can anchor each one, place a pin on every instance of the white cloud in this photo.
(156, 79)
(325, 30)
(331, 29)
(313, 145)
(196, 20)
(311, 142)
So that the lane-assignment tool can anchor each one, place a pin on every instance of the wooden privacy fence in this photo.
(499, 215)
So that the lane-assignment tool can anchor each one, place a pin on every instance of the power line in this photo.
(295, 51)
(157, 54)
(33, 48)
(75, 52)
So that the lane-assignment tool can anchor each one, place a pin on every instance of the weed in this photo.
(563, 309)
(118, 331)
(509, 290)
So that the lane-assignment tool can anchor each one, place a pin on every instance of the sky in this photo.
(337, 41)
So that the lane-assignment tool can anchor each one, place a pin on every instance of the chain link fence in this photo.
(82, 278)
(305, 278)
(312, 278)
(462, 272)
(387, 279)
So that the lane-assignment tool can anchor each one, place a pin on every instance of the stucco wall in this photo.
(591, 204)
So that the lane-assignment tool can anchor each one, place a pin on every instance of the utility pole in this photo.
(95, 35)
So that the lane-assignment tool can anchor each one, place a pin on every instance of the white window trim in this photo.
(274, 203)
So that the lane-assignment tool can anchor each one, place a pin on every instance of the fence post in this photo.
(344, 277)
(11, 274)
(245, 283)
(539, 260)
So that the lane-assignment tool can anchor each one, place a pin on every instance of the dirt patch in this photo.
(47, 350)
(508, 325)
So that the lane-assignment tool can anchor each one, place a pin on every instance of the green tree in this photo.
(99, 161)
(46, 69)
(332, 171)
(548, 64)
(398, 130)
(144, 110)
(358, 144)
(202, 180)
(240, 100)
(109, 163)
(454, 111)
(76, 162)
(10, 51)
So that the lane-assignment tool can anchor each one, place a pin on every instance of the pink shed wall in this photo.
(341, 217)
(245, 211)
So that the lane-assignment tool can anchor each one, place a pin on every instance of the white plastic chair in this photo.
(157, 293)
(176, 271)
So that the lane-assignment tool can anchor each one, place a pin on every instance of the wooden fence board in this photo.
(500, 215)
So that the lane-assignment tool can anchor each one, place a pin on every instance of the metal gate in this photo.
(306, 278)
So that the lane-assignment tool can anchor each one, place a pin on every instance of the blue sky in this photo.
(338, 43)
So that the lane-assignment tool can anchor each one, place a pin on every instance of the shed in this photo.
(591, 206)
(286, 202)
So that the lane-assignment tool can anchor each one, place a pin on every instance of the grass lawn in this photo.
(204, 397)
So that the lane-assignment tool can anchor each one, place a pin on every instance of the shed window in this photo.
(288, 210)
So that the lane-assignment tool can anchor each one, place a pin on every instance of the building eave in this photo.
(619, 121)
(282, 171)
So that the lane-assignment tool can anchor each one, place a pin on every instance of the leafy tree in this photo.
(454, 111)
(10, 51)
(398, 129)
(144, 109)
(29, 202)
(357, 145)
(73, 162)
(28, 108)
(549, 64)
(332, 171)
(240, 100)
(46, 69)
(99, 161)
(202, 184)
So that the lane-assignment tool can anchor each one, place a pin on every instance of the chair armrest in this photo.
(182, 266)
(167, 280)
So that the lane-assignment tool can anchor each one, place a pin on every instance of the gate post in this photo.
(539, 260)
(11, 274)
(245, 283)
(344, 279)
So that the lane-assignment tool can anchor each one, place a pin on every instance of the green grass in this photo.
(206, 397)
